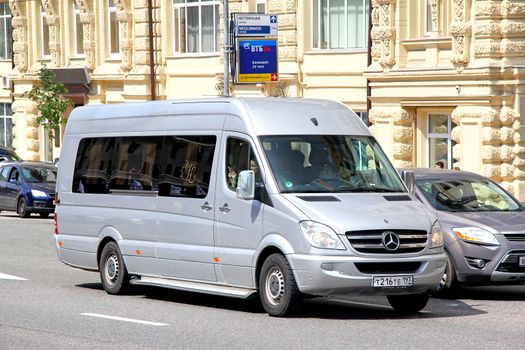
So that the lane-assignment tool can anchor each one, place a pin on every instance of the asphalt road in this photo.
(58, 307)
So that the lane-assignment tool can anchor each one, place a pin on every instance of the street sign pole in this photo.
(226, 51)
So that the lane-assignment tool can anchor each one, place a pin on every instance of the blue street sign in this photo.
(255, 24)
(257, 60)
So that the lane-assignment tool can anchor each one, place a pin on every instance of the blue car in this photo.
(28, 187)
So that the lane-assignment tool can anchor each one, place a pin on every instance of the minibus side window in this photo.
(93, 164)
(135, 164)
(239, 157)
(186, 166)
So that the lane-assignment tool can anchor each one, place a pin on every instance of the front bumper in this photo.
(42, 206)
(501, 262)
(352, 275)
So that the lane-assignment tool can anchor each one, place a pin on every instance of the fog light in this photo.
(477, 263)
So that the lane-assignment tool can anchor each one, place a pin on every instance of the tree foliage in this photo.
(51, 103)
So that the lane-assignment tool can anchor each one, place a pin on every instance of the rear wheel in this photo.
(408, 304)
(448, 285)
(22, 208)
(279, 293)
(113, 272)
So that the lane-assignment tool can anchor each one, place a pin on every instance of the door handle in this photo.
(206, 207)
(224, 208)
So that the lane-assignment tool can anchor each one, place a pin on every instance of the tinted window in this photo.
(173, 166)
(93, 165)
(135, 164)
(185, 166)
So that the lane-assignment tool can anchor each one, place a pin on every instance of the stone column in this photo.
(125, 17)
(394, 129)
(19, 22)
(53, 21)
(25, 129)
(460, 29)
(88, 24)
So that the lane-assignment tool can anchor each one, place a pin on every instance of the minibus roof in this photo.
(258, 115)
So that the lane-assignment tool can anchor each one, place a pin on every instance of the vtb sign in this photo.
(257, 60)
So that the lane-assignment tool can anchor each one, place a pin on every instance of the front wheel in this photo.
(449, 285)
(113, 272)
(22, 208)
(279, 293)
(408, 304)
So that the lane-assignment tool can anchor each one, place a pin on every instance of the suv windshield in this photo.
(35, 174)
(466, 195)
(329, 163)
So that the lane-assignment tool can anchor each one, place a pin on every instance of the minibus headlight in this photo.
(38, 194)
(321, 236)
(436, 236)
(476, 235)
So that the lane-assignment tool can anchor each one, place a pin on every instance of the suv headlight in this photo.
(321, 236)
(436, 236)
(38, 194)
(475, 235)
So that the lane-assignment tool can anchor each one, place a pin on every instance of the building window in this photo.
(196, 24)
(364, 117)
(44, 33)
(260, 6)
(340, 24)
(6, 125)
(79, 30)
(428, 17)
(439, 140)
(113, 32)
(6, 32)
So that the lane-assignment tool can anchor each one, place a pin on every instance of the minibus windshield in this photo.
(329, 163)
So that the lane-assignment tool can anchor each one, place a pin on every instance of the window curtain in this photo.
(192, 28)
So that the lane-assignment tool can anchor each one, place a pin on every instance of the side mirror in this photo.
(410, 181)
(246, 184)
(13, 181)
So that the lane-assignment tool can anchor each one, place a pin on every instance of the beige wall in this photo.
(467, 63)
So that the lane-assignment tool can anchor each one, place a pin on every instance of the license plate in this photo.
(392, 281)
(521, 261)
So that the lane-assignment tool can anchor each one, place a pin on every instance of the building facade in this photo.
(444, 76)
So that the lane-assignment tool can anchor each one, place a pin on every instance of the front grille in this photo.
(519, 237)
(388, 268)
(510, 263)
(371, 241)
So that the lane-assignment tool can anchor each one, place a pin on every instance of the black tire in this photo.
(44, 215)
(113, 272)
(22, 209)
(449, 285)
(408, 304)
(278, 290)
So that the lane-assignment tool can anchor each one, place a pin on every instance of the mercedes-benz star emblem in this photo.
(391, 241)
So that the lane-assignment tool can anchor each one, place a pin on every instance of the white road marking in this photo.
(156, 324)
(3, 276)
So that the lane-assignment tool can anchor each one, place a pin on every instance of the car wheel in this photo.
(449, 284)
(22, 208)
(44, 215)
(408, 304)
(279, 293)
(113, 273)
